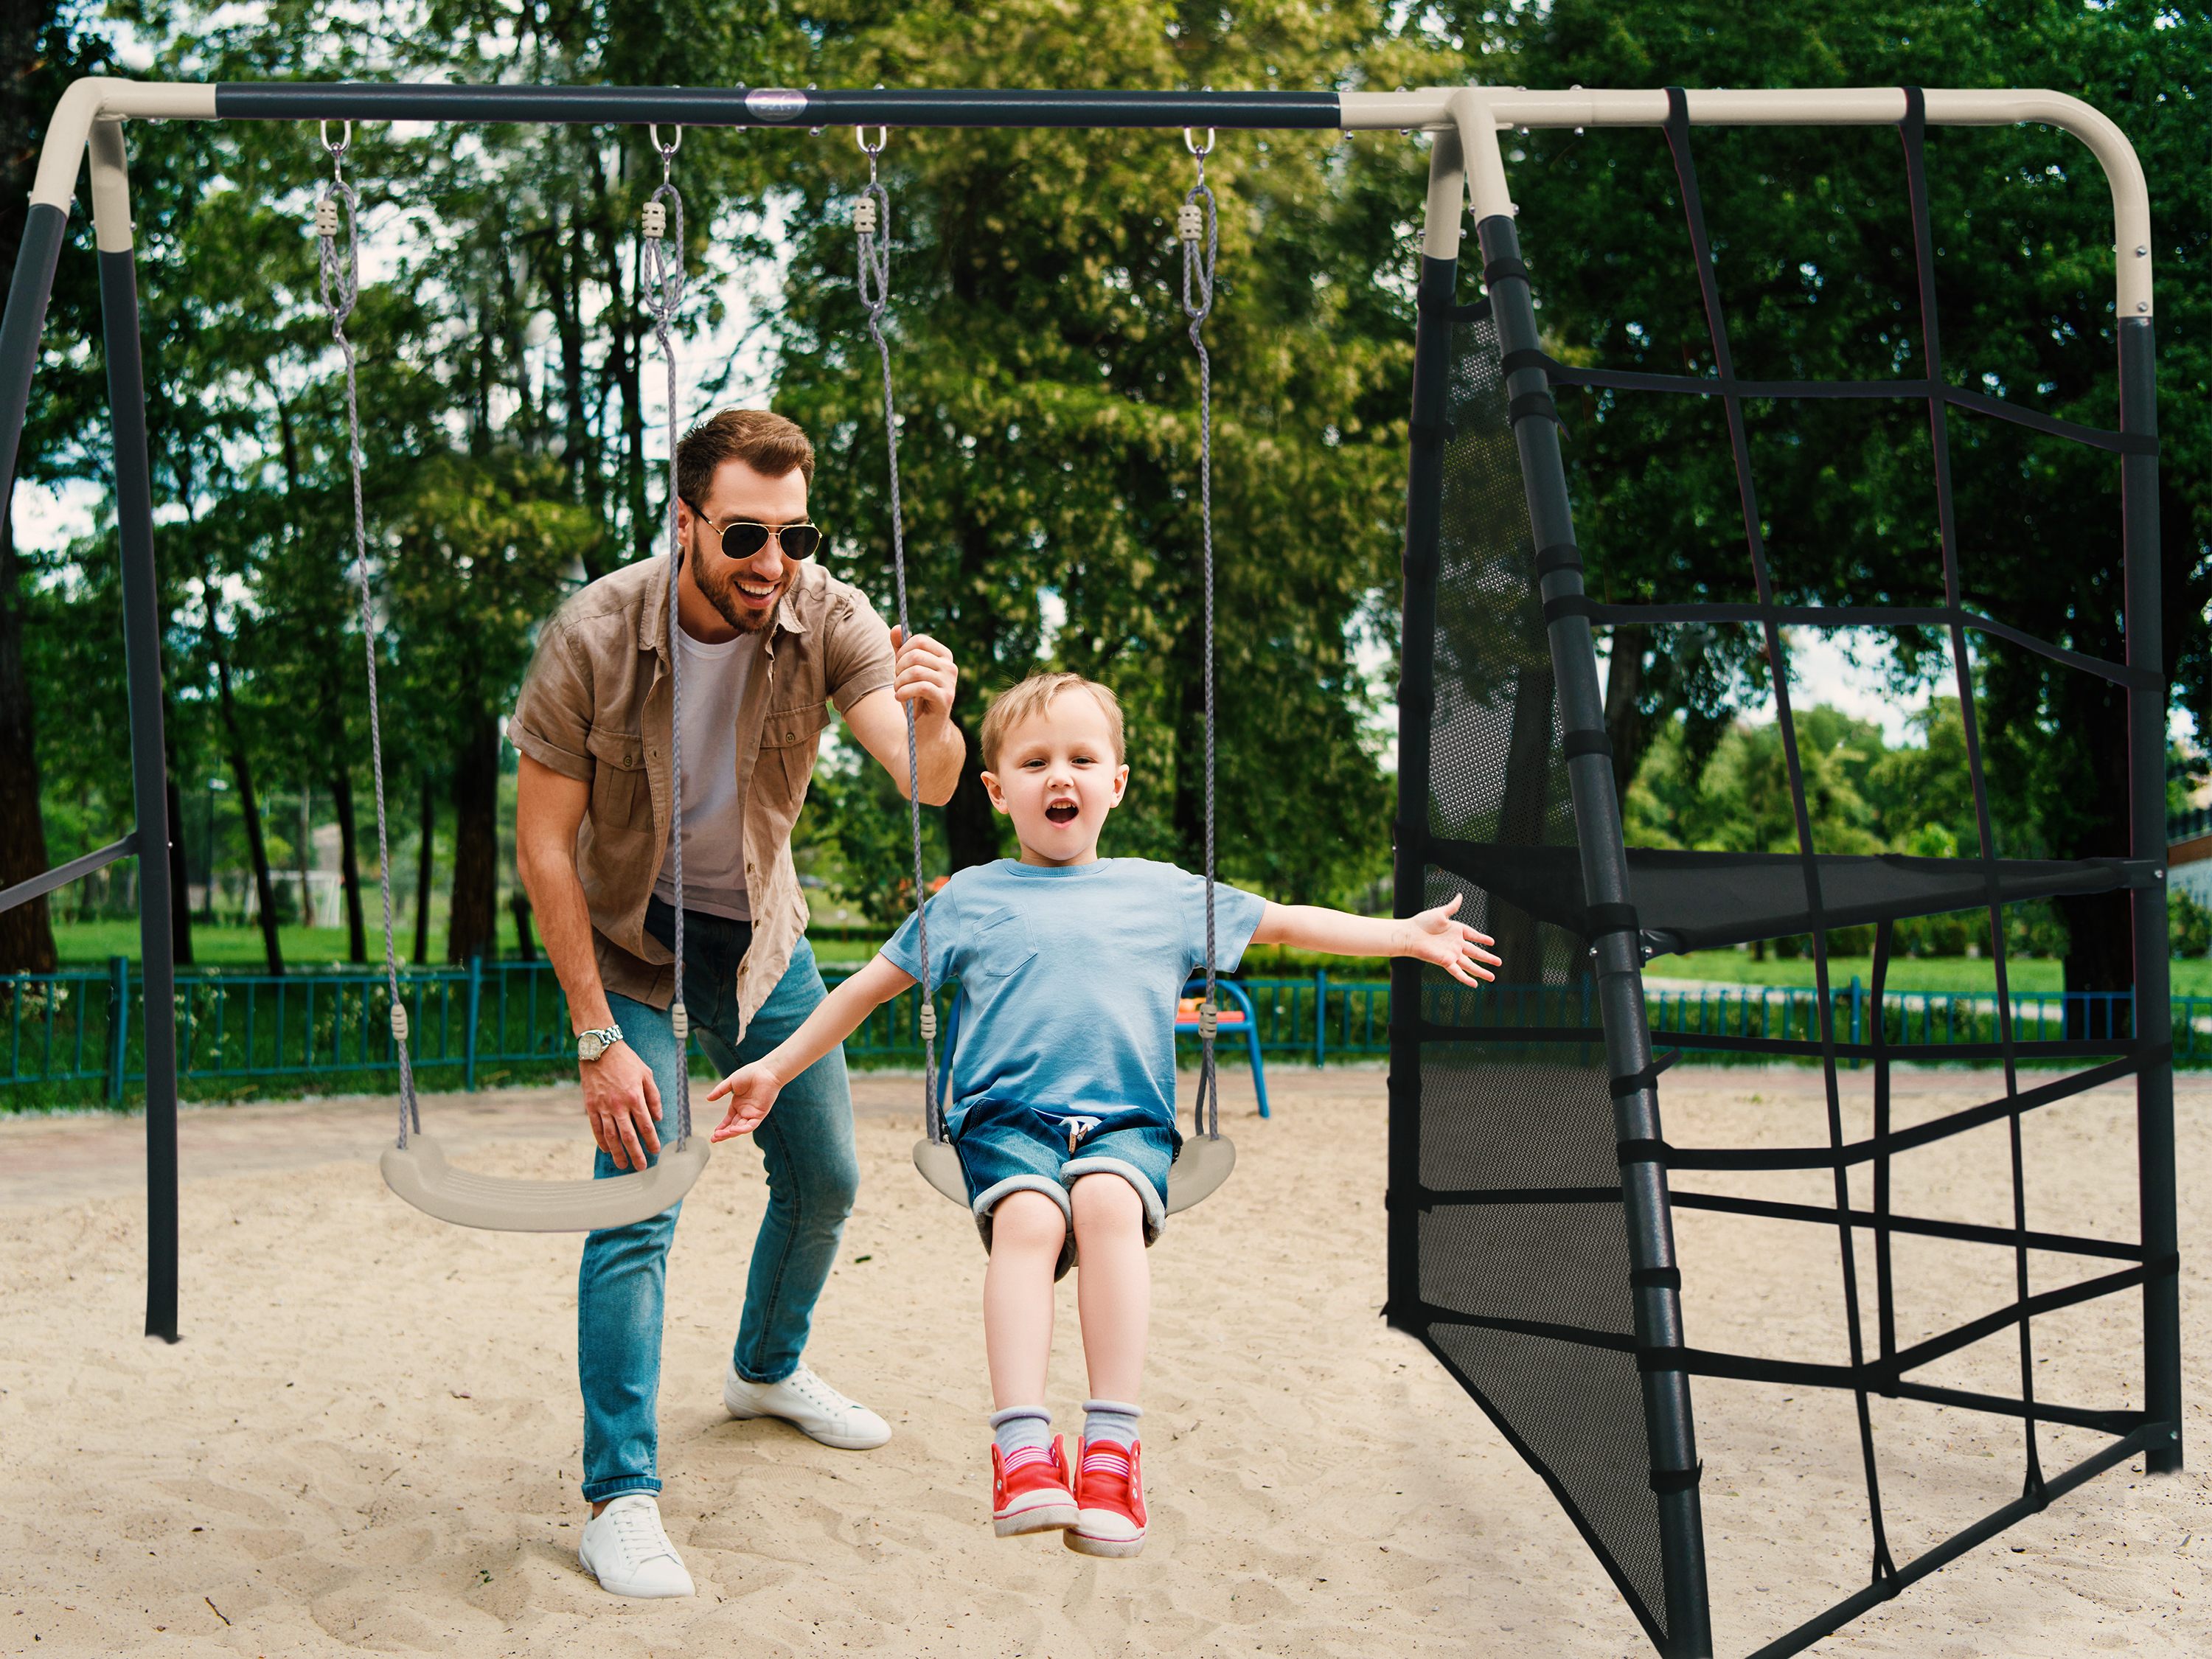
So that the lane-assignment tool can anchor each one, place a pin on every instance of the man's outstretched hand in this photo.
(1454, 946)
(751, 1090)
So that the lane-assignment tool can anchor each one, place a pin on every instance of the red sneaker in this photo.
(1033, 1494)
(1109, 1501)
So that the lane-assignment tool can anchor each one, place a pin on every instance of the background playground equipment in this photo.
(1607, 1415)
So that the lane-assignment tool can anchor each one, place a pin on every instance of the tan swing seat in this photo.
(418, 1172)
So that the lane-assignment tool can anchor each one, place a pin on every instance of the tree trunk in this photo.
(1624, 710)
(241, 778)
(472, 924)
(180, 899)
(525, 946)
(350, 863)
(304, 857)
(422, 872)
(26, 934)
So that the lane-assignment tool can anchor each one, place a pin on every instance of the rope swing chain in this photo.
(341, 289)
(872, 225)
(661, 287)
(1198, 220)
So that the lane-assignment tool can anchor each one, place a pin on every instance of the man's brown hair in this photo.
(766, 442)
(1033, 697)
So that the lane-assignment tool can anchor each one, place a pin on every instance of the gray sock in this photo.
(1018, 1426)
(1110, 1420)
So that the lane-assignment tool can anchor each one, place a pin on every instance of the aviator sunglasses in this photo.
(742, 538)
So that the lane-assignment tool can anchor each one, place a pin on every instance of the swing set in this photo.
(1531, 1244)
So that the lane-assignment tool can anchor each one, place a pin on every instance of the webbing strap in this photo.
(1497, 269)
(1636, 1081)
(1537, 404)
(1604, 918)
(1575, 745)
(1559, 555)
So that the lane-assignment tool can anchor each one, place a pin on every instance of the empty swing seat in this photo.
(419, 1173)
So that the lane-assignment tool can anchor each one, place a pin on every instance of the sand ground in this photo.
(368, 1437)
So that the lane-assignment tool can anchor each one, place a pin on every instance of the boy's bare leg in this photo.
(1027, 1231)
(1114, 1284)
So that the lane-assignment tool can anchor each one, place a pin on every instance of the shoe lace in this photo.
(817, 1392)
(638, 1536)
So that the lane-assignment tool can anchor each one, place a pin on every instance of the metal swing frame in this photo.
(1467, 170)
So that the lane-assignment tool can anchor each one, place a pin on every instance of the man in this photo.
(768, 641)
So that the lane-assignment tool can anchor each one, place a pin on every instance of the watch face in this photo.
(590, 1046)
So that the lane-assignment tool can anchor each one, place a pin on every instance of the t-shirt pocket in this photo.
(996, 949)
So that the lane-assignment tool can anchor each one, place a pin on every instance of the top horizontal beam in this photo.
(1477, 113)
(773, 106)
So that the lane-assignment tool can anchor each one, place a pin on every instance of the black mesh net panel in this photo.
(1514, 1116)
(1516, 1233)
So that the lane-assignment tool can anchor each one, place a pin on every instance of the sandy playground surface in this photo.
(368, 1438)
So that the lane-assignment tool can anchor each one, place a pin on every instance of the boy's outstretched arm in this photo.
(1433, 936)
(753, 1089)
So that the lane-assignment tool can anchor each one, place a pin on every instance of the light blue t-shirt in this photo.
(1070, 977)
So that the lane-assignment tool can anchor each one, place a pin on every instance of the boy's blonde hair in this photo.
(1033, 697)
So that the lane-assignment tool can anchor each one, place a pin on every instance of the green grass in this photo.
(2191, 978)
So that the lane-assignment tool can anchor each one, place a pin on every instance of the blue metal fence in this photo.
(488, 1021)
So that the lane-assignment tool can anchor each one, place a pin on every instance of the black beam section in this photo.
(2147, 810)
(63, 874)
(44, 228)
(1424, 486)
(141, 645)
(1666, 1406)
(772, 106)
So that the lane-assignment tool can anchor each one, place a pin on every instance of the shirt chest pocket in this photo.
(791, 737)
(622, 794)
(999, 946)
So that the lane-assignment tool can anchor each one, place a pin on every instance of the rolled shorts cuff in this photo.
(1156, 1209)
(989, 1198)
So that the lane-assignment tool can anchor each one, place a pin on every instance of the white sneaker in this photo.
(625, 1549)
(809, 1405)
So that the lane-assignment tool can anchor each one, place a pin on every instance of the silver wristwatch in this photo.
(590, 1045)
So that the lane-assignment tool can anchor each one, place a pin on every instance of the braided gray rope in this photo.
(341, 289)
(872, 220)
(661, 287)
(1197, 306)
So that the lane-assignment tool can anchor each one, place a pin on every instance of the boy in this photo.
(1062, 1105)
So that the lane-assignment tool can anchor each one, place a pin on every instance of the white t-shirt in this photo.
(715, 679)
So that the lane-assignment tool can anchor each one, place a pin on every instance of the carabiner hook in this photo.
(667, 151)
(337, 150)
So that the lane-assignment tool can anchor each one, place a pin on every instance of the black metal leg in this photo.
(2153, 1011)
(1620, 977)
(44, 229)
(142, 642)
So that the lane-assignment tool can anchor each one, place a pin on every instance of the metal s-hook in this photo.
(337, 150)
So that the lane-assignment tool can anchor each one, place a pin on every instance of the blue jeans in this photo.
(813, 1172)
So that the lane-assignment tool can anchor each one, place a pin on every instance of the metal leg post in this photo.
(141, 643)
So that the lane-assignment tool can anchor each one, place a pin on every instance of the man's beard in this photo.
(721, 589)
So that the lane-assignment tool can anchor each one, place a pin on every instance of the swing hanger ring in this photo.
(337, 150)
(667, 151)
(883, 138)
(1191, 144)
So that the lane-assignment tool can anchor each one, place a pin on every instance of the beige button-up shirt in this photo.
(596, 706)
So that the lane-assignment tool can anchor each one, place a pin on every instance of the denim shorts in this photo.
(1005, 1148)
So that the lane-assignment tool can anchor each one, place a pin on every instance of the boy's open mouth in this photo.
(1061, 811)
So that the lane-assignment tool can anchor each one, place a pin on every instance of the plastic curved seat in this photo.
(1203, 1164)
(418, 1172)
